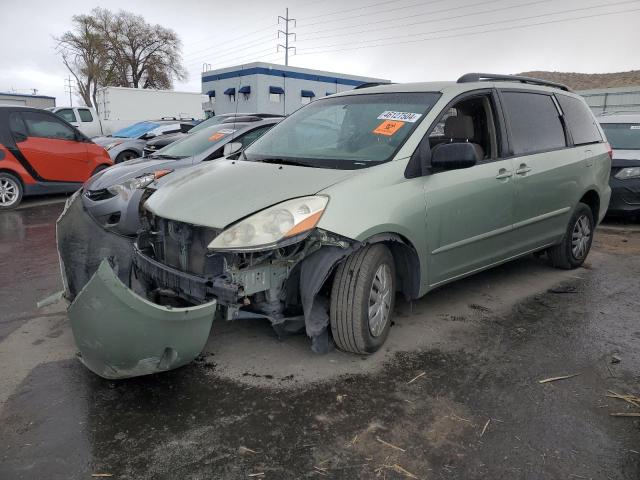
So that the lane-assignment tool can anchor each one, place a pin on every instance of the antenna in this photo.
(286, 34)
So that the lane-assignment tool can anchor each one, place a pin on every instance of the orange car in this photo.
(41, 153)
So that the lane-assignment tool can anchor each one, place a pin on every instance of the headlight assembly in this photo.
(138, 182)
(629, 172)
(109, 146)
(274, 225)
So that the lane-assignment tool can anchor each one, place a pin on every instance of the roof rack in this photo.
(371, 84)
(478, 77)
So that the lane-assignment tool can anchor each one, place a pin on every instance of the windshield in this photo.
(136, 130)
(196, 143)
(345, 132)
(623, 136)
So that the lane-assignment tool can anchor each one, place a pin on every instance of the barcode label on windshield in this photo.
(400, 116)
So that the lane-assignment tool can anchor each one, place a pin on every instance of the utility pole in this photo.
(68, 85)
(286, 34)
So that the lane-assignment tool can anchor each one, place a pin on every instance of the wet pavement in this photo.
(454, 395)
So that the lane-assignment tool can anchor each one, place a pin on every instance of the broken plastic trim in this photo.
(121, 334)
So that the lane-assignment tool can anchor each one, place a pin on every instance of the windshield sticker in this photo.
(388, 128)
(635, 127)
(220, 133)
(401, 116)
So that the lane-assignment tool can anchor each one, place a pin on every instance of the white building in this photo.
(37, 101)
(270, 88)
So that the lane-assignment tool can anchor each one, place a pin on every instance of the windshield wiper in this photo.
(283, 161)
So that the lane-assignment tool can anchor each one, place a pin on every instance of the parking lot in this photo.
(454, 393)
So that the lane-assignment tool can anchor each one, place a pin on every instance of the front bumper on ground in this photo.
(625, 197)
(120, 334)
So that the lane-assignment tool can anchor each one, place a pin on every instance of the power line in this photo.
(421, 15)
(234, 39)
(488, 24)
(235, 47)
(357, 8)
(473, 33)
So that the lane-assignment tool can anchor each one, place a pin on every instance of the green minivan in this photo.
(356, 197)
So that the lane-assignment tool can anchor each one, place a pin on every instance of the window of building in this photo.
(581, 122)
(534, 121)
(67, 114)
(274, 97)
(85, 115)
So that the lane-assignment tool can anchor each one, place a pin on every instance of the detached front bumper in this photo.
(121, 334)
(625, 197)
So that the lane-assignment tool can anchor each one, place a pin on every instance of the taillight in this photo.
(609, 150)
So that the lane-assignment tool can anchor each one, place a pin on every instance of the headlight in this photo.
(109, 146)
(275, 224)
(139, 182)
(630, 172)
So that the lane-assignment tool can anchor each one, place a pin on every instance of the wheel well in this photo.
(128, 150)
(406, 261)
(592, 199)
(15, 174)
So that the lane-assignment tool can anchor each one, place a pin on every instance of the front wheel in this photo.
(362, 299)
(575, 246)
(10, 191)
(126, 156)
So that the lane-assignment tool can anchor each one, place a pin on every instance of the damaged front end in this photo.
(146, 305)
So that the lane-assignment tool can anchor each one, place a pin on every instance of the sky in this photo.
(398, 40)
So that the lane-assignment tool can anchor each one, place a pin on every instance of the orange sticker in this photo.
(388, 127)
(216, 136)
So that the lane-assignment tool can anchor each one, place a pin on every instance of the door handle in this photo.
(523, 169)
(504, 173)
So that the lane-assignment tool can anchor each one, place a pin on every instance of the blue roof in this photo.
(230, 91)
(307, 93)
(277, 90)
(26, 95)
(245, 89)
(282, 73)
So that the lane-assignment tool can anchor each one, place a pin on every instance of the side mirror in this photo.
(451, 156)
(231, 148)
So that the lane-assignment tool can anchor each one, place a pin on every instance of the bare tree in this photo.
(107, 49)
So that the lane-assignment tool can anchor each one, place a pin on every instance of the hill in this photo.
(586, 81)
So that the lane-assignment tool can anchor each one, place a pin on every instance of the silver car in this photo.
(128, 143)
(113, 196)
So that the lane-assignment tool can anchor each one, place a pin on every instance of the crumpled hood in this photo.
(126, 170)
(215, 194)
(104, 140)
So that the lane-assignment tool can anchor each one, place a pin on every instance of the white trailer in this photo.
(119, 107)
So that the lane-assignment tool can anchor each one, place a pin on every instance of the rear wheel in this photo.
(362, 299)
(10, 191)
(575, 246)
(126, 155)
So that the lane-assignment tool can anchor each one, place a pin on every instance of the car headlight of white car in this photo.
(629, 172)
(273, 226)
(138, 182)
(110, 145)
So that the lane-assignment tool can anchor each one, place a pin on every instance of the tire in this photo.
(10, 191)
(98, 169)
(576, 243)
(126, 155)
(352, 290)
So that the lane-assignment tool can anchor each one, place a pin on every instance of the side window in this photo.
(47, 126)
(85, 115)
(252, 136)
(67, 114)
(17, 126)
(470, 120)
(534, 121)
(581, 122)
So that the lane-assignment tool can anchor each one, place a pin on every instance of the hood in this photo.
(103, 140)
(126, 170)
(625, 158)
(215, 194)
(165, 139)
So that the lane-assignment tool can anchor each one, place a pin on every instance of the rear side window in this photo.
(16, 124)
(47, 126)
(85, 115)
(534, 121)
(67, 114)
(580, 120)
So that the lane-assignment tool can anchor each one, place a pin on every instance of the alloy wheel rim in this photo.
(581, 237)
(380, 300)
(8, 192)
